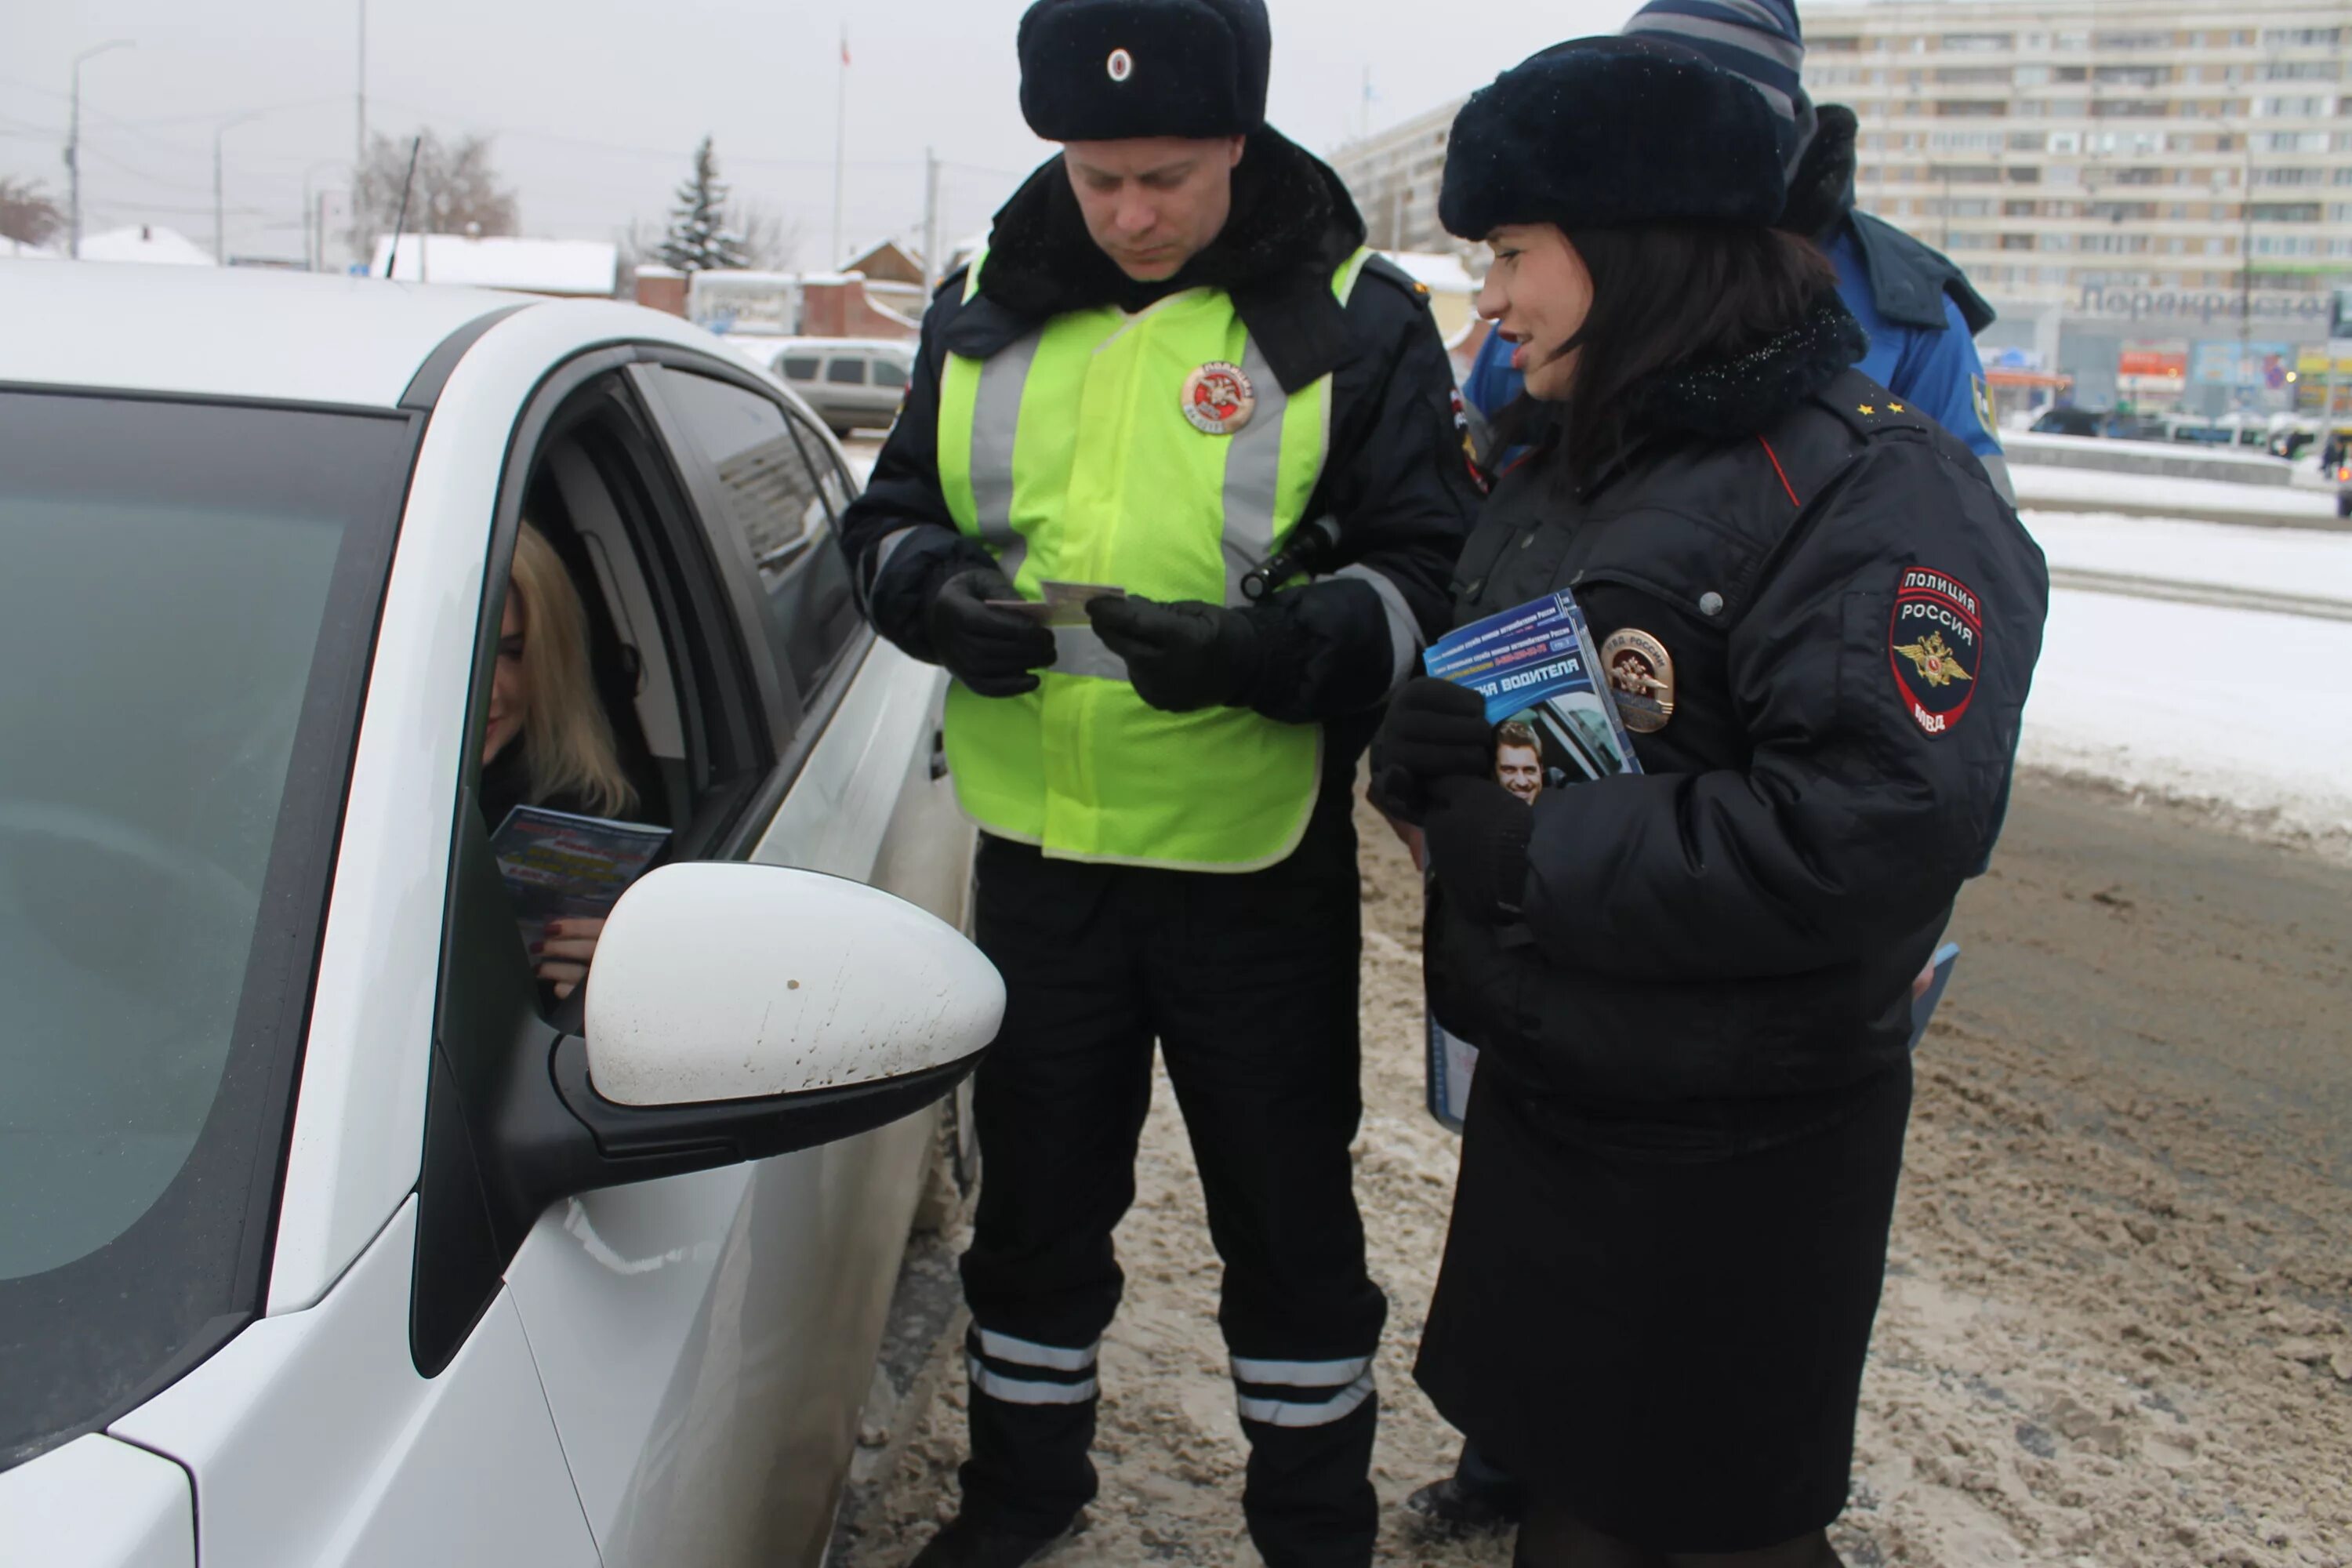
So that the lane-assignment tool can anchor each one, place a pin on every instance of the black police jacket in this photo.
(1836, 619)
(1396, 486)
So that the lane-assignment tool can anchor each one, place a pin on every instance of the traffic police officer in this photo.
(1176, 371)
(1691, 985)
(1915, 306)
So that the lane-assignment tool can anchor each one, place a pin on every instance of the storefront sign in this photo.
(2208, 305)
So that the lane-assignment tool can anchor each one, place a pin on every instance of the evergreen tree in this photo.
(700, 238)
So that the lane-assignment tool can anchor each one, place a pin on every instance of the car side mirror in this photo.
(724, 982)
(736, 1012)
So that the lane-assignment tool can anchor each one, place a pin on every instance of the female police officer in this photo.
(1691, 984)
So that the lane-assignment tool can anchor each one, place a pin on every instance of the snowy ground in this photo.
(2246, 711)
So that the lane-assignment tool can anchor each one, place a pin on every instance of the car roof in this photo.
(840, 345)
(226, 332)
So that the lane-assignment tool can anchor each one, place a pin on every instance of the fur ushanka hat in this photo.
(1612, 132)
(1106, 70)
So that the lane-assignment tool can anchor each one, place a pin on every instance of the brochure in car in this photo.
(558, 866)
(1555, 724)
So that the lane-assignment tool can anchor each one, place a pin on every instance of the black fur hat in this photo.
(1612, 132)
(1106, 70)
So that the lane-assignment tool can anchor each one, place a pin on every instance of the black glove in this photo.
(992, 651)
(1180, 656)
(1477, 835)
(1434, 730)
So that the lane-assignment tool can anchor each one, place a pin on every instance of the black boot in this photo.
(961, 1543)
(1476, 1499)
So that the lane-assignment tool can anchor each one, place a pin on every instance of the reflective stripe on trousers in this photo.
(985, 1346)
(1325, 1391)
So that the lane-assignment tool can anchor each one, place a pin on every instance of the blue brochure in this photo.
(1546, 694)
(1555, 724)
(1923, 1007)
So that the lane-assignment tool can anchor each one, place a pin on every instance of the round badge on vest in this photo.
(1121, 64)
(1640, 679)
(1218, 398)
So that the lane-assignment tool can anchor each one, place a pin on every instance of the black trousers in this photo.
(1248, 983)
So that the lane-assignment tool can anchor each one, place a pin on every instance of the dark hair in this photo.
(1664, 298)
(1517, 732)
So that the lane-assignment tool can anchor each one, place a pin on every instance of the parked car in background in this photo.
(329, 1238)
(2109, 422)
(852, 384)
(2191, 430)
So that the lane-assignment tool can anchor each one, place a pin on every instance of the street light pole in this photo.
(73, 144)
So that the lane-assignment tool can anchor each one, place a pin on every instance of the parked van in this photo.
(852, 382)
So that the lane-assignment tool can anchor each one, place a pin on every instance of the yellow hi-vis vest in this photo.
(1070, 455)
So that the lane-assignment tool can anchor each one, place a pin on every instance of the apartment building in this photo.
(2157, 194)
(1395, 174)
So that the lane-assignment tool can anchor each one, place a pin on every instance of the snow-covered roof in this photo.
(589, 268)
(656, 270)
(1442, 272)
(145, 242)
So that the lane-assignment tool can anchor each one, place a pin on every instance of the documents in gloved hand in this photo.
(1549, 698)
(1063, 605)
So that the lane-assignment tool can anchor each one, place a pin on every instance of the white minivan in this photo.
(326, 1236)
(851, 384)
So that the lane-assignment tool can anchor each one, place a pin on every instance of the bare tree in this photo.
(771, 242)
(28, 213)
(456, 190)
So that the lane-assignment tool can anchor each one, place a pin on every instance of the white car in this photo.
(318, 1243)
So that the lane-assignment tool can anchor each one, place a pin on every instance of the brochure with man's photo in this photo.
(1540, 670)
(558, 865)
(1555, 724)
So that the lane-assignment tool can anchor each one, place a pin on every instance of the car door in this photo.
(707, 1342)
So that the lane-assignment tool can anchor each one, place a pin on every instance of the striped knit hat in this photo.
(1757, 39)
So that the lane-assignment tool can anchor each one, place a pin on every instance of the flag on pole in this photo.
(845, 45)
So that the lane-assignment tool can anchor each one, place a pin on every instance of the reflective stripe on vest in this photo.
(1069, 455)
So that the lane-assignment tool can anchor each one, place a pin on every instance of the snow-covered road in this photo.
(2249, 709)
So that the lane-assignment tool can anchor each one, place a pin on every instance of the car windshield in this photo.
(177, 580)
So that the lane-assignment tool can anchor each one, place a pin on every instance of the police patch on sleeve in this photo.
(1934, 643)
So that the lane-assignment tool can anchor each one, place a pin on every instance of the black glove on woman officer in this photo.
(1690, 985)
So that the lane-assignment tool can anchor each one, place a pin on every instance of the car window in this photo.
(846, 371)
(779, 493)
(183, 628)
(799, 367)
(890, 372)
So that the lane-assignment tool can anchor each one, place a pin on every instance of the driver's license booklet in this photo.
(1555, 724)
(558, 866)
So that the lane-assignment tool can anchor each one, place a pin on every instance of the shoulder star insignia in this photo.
(1865, 408)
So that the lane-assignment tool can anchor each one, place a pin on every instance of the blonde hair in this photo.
(567, 740)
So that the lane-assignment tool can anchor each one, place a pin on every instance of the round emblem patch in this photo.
(1641, 679)
(1934, 643)
(1218, 398)
(1121, 64)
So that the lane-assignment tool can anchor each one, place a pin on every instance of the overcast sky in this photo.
(597, 104)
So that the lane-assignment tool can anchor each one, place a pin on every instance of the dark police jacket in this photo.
(1396, 483)
(1849, 616)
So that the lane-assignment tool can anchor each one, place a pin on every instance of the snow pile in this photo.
(145, 242)
(2242, 709)
(2090, 489)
